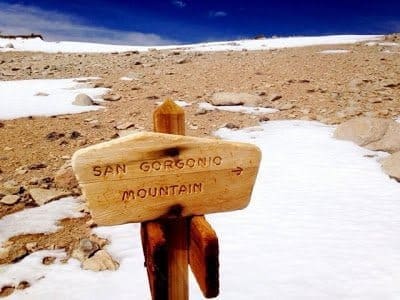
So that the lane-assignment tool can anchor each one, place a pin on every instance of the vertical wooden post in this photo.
(170, 245)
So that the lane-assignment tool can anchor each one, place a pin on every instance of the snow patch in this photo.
(334, 51)
(239, 45)
(238, 108)
(42, 219)
(19, 98)
(180, 103)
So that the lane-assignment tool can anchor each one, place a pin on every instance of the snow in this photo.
(263, 44)
(18, 97)
(39, 219)
(125, 78)
(335, 51)
(323, 223)
(388, 44)
(180, 103)
(238, 108)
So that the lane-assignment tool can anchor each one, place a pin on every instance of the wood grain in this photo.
(203, 256)
(148, 176)
(170, 118)
(155, 250)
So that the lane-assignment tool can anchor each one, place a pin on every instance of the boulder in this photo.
(42, 196)
(65, 177)
(390, 142)
(225, 98)
(85, 249)
(362, 130)
(9, 199)
(391, 165)
(83, 100)
(100, 261)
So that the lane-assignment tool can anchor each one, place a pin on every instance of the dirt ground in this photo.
(329, 88)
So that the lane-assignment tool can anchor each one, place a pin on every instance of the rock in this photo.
(274, 97)
(263, 118)
(75, 134)
(48, 260)
(42, 196)
(225, 98)
(362, 130)
(112, 97)
(9, 199)
(42, 94)
(391, 165)
(9, 45)
(200, 111)
(32, 246)
(65, 177)
(183, 60)
(286, 106)
(231, 126)
(23, 285)
(53, 136)
(83, 100)
(37, 166)
(11, 187)
(390, 141)
(85, 249)
(124, 126)
(100, 261)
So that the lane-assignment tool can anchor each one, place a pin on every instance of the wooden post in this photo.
(169, 118)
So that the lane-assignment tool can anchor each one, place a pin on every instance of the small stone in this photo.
(85, 249)
(41, 94)
(37, 166)
(183, 60)
(6, 290)
(112, 97)
(100, 261)
(391, 165)
(48, 260)
(286, 106)
(9, 199)
(21, 170)
(225, 98)
(83, 100)
(263, 118)
(231, 126)
(8, 148)
(53, 136)
(274, 97)
(200, 111)
(11, 187)
(65, 177)
(23, 285)
(42, 196)
(124, 126)
(32, 246)
(75, 134)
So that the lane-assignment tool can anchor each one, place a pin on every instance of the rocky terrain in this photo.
(301, 83)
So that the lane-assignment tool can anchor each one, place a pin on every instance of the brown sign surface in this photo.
(147, 176)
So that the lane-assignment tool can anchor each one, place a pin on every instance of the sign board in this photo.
(148, 176)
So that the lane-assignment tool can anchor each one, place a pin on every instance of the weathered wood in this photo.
(170, 118)
(147, 176)
(203, 256)
(155, 250)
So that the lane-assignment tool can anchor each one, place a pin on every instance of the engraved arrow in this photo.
(238, 171)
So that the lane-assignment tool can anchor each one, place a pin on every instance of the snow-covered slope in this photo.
(323, 223)
(263, 44)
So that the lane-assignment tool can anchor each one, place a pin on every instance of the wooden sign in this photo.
(149, 176)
